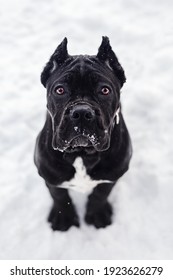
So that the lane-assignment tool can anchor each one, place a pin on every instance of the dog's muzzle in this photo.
(81, 127)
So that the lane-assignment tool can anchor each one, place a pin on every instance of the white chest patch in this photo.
(81, 181)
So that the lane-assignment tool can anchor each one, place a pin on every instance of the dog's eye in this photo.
(59, 90)
(105, 91)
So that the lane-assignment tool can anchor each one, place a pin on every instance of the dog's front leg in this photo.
(63, 214)
(99, 210)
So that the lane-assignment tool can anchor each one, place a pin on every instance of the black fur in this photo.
(106, 53)
(59, 56)
(84, 120)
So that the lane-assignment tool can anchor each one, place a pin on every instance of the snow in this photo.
(141, 35)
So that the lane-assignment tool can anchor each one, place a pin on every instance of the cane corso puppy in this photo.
(84, 136)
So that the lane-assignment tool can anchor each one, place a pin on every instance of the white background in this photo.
(141, 35)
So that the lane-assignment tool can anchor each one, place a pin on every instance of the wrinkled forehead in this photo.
(83, 71)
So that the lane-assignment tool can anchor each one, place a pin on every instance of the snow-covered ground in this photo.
(141, 33)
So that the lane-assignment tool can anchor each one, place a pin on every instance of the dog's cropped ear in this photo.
(57, 58)
(106, 55)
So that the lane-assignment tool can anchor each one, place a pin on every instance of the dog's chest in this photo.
(81, 181)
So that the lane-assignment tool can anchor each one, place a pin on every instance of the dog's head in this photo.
(83, 95)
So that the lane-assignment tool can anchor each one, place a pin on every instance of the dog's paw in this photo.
(101, 217)
(63, 219)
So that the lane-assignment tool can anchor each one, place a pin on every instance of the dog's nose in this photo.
(82, 112)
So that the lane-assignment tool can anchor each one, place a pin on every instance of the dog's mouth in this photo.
(80, 143)
(88, 142)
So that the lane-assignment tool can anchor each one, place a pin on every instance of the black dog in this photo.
(84, 126)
